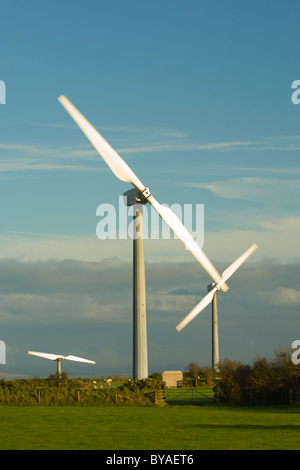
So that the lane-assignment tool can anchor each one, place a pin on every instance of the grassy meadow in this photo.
(181, 425)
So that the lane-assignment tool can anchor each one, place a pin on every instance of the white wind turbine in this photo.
(58, 358)
(142, 196)
(212, 297)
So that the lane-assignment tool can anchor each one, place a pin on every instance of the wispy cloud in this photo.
(281, 143)
(31, 149)
(163, 132)
(32, 157)
(289, 224)
(258, 189)
(15, 157)
(171, 146)
(18, 156)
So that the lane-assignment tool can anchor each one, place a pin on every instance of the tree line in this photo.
(274, 381)
(264, 381)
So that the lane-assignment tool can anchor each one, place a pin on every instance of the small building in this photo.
(172, 378)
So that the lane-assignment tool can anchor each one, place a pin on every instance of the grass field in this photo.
(177, 426)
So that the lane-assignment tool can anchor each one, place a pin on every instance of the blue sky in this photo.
(196, 97)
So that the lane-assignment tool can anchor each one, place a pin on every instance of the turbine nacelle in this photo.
(134, 196)
(213, 286)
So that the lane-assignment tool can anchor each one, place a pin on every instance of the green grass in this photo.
(189, 427)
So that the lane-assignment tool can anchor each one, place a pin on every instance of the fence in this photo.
(197, 396)
(83, 396)
(158, 396)
(294, 398)
(283, 396)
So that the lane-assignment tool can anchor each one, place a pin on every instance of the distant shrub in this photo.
(49, 392)
(263, 382)
(145, 384)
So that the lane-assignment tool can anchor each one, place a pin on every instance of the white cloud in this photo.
(226, 245)
(276, 238)
(85, 308)
(35, 247)
(285, 296)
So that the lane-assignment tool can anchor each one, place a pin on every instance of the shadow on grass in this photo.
(246, 427)
(189, 402)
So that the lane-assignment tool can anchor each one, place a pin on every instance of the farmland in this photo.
(199, 425)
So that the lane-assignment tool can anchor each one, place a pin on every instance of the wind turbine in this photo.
(124, 173)
(58, 358)
(211, 297)
(143, 195)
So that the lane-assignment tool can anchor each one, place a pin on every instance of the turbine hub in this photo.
(212, 286)
(215, 285)
(145, 193)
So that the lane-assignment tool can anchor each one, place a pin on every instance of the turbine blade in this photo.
(184, 235)
(124, 173)
(52, 357)
(78, 359)
(196, 310)
(234, 266)
(113, 160)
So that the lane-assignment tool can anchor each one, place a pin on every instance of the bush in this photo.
(46, 392)
(197, 376)
(144, 385)
(261, 383)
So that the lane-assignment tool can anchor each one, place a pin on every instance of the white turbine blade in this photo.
(113, 160)
(124, 173)
(52, 357)
(184, 235)
(196, 310)
(78, 359)
(234, 266)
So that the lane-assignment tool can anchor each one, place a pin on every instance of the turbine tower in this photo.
(211, 297)
(140, 352)
(58, 358)
(124, 173)
(215, 329)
